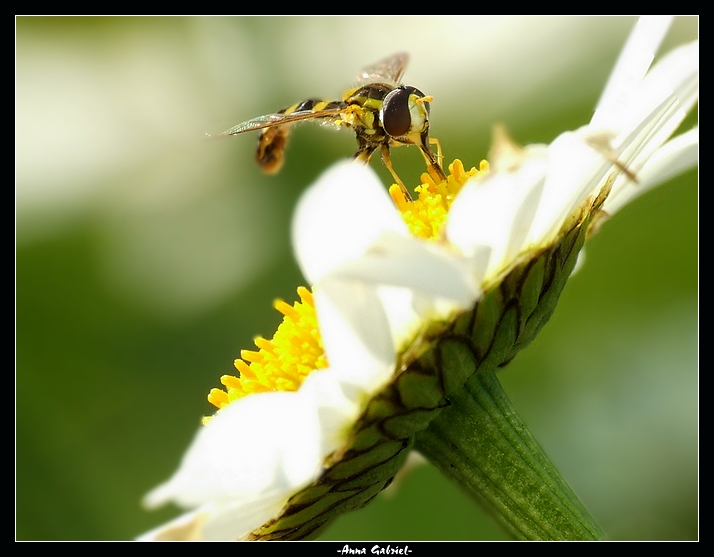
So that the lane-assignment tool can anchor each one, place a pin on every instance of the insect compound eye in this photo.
(397, 110)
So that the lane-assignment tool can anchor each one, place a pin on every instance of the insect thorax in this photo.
(367, 102)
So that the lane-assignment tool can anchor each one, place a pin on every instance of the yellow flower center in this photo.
(426, 215)
(281, 363)
(296, 348)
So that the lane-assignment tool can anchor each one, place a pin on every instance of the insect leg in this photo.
(439, 155)
(433, 165)
(388, 163)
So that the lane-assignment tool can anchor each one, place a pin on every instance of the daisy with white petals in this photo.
(276, 424)
(527, 196)
(382, 276)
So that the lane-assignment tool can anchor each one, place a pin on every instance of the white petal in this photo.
(339, 217)
(575, 169)
(187, 527)
(219, 521)
(675, 86)
(234, 520)
(498, 210)
(260, 445)
(421, 266)
(339, 404)
(673, 158)
(676, 74)
(658, 106)
(355, 332)
(630, 69)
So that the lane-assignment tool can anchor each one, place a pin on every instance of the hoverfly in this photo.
(381, 112)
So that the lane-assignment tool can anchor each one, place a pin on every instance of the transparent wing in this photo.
(389, 70)
(279, 119)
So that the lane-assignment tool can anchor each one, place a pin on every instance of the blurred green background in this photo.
(148, 255)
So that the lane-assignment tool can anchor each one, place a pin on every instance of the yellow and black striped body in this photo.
(368, 124)
(273, 140)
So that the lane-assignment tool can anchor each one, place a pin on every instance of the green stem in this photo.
(482, 444)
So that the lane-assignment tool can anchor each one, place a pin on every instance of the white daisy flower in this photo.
(292, 429)
(270, 439)
(529, 194)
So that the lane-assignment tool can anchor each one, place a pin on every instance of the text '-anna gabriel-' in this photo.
(375, 550)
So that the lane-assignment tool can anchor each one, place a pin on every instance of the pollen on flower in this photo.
(427, 214)
(279, 364)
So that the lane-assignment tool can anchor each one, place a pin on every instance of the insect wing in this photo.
(389, 70)
(254, 124)
(279, 119)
